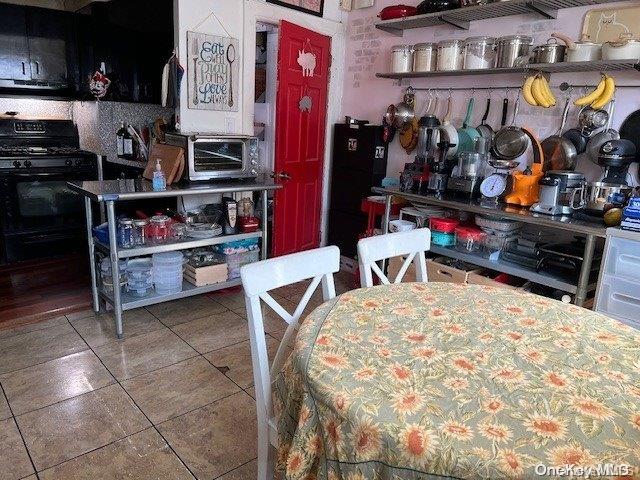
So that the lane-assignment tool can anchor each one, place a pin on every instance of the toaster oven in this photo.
(217, 157)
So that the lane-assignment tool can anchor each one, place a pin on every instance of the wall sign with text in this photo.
(212, 72)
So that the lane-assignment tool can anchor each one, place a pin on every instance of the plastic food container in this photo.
(497, 224)
(401, 58)
(107, 278)
(494, 243)
(167, 272)
(449, 55)
(469, 239)
(424, 57)
(443, 239)
(443, 225)
(479, 53)
(140, 276)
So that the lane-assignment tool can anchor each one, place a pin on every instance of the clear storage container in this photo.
(479, 53)
(140, 232)
(125, 233)
(401, 58)
(469, 239)
(449, 56)
(424, 57)
(106, 277)
(159, 228)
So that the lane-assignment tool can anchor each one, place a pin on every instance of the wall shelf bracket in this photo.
(461, 24)
(545, 11)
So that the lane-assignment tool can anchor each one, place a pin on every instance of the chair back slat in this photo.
(413, 244)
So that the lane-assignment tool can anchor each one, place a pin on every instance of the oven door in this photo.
(42, 216)
(211, 158)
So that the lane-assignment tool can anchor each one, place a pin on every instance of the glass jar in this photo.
(449, 55)
(401, 58)
(179, 230)
(159, 228)
(125, 233)
(479, 53)
(424, 57)
(140, 232)
(469, 239)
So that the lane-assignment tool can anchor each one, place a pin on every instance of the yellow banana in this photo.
(593, 96)
(609, 90)
(538, 94)
(526, 91)
(546, 89)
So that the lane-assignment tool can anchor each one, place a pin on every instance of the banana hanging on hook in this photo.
(607, 95)
(526, 91)
(594, 95)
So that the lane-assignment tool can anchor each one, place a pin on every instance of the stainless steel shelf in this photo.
(562, 67)
(462, 17)
(510, 268)
(130, 301)
(524, 215)
(178, 245)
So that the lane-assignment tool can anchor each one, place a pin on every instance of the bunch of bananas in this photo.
(537, 93)
(601, 95)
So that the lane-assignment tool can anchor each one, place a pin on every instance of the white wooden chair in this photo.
(258, 279)
(412, 243)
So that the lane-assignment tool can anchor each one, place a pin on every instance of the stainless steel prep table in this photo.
(111, 191)
(590, 230)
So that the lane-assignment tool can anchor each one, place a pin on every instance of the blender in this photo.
(439, 170)
(466, 177)
(415, 175)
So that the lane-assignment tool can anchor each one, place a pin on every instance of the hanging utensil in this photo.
(578, 136)
(448, 132)
(467, 135)
(510, 142)
(484, 129)
(559, 152)
(404, 110)
(600, 138)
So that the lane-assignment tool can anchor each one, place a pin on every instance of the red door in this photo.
(300, 139)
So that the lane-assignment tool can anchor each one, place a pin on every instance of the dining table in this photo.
(442, 380)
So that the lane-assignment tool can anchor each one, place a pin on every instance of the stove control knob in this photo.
(17, 164)
(27, 163)
(68, 163)
(78, 163)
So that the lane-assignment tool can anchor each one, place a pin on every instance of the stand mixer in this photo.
(616, 156)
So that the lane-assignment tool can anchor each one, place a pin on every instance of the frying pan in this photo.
(510, 142)
(602, 137)
(559, 152)
(448, 132)
(578, 136)
(484, 129)
(630, 129)
(467, 135)
(408, 135)
(390, 115)
(404, 110)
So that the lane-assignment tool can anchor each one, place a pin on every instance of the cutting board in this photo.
(607, 24)
(171, 162)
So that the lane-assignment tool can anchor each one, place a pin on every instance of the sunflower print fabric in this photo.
(440, 380)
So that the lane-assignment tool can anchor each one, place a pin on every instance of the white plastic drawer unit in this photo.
(623, 259)
(620, 299)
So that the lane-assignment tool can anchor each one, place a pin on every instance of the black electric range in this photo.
(40, 216)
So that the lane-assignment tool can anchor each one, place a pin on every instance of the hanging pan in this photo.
(484, 129)
(510, 142)
(602, 137)
(467, 135)
(559, 152)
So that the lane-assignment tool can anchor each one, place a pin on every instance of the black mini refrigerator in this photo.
(359, 163)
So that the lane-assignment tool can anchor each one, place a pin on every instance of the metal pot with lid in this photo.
(550, 52)
(510, 48)
(479, 53)
(580, 51)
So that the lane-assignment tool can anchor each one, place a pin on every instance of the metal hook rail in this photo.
(563, 86)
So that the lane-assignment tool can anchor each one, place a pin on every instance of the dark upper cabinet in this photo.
(37, 48)
(14, 48)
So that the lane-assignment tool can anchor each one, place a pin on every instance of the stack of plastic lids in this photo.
(139, 276)
(167, 272)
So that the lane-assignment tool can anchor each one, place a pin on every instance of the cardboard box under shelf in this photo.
(437, 271)
(208, 275)
(486, 277)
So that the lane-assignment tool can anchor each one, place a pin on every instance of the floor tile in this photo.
(245, 472)
(235, 361)
(179, 388)
(41, 385)
(14, 461)
(4, 407)
(214, 331)
(143, 456)
(251, 391)
(232, 299)
(33, 327)
(143, 353)
(100, 329)
(185, 309)
(75, 426)
(217, 438)
(81, 314)
(31, 348)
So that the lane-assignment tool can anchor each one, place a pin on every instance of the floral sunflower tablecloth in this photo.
(438, 380)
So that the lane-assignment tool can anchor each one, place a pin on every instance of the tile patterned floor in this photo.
(166, 402)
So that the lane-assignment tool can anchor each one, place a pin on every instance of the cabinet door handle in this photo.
(24, 70)
(37, 68)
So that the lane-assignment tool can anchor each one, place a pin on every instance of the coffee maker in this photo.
(466, 177)
(561, 192)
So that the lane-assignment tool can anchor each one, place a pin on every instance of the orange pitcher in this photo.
(526, 189)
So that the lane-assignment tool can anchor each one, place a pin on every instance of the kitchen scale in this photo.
(496, 185)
